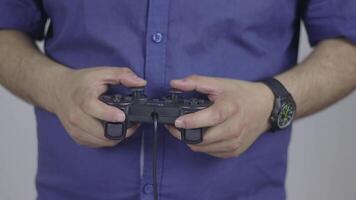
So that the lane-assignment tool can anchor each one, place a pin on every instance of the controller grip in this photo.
(115, 131)
(192, 136)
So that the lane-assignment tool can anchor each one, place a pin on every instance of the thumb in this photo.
(202, 84)
(123, 76)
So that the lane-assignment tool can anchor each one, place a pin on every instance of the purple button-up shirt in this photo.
(162, 40)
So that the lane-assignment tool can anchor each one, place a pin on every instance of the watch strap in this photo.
(277, 87)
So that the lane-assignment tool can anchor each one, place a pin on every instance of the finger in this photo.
(175, 132)
(245, 140)
(225, 146)
(102, 111)
(88, 125)
(225, 131)
(211, 116)
(81, 137)
(124, 76)
(93, 142)
(224, 155)
(132, 130)
(95, 128)
(202, 84)
(131, 80)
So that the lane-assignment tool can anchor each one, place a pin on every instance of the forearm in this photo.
(325, 77)
(25, 71)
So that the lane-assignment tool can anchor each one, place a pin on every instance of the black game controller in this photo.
(139, 109)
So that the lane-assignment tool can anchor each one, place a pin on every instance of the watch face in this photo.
(286, 115)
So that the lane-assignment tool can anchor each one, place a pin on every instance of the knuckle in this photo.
(125, 70)
(189, 123)
(193, 77)
(219, 116)
(236, 108)
(86, 104)
(235, 133)
(89, 76)
(235, 154)
(235, 145)
(108, 116)
(224, 156)
(194, 148)
(111, 143)
(92, 145)
(70, 129)
(107, 144)
(231, 147)
(73, 118)
(216, 155)
(79, 141)
(229, 155)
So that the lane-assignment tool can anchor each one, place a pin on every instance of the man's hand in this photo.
(77, 106)
(237, 118)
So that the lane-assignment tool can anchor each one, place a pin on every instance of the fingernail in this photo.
(138, 78)
(120, 117)
(134, 76)
(181, 80)
(179, 123)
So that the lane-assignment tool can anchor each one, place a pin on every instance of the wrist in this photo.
(284, 106)
(58, 79)
(266, 102)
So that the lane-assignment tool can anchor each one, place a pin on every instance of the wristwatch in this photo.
(284, 107)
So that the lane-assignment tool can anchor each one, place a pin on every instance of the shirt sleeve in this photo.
(325, 19)
(23, 15)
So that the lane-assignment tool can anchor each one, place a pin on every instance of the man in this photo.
(228, 50)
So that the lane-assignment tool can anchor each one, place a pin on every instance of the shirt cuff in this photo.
(331, 27)
(26, 20)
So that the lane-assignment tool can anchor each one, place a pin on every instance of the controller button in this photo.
(201, 101)
(137, 89)
(194, 101)
(138, 93)
(192, 136)
(186, 102)
(116, 98)
(115, 131)
(174, 94)
(128, 98)
(175, 91)
(105, 98)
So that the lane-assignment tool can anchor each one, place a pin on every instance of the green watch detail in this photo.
(284, 108)
(286, 115)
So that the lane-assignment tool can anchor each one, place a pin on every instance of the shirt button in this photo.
(157, 37)
(148, 189)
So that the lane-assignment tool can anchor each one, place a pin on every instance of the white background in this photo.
(322, 161)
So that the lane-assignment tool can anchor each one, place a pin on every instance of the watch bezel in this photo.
(279, 104)
(289, 122)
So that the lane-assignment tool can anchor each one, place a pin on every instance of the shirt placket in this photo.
(156, 42)
(154, 72)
